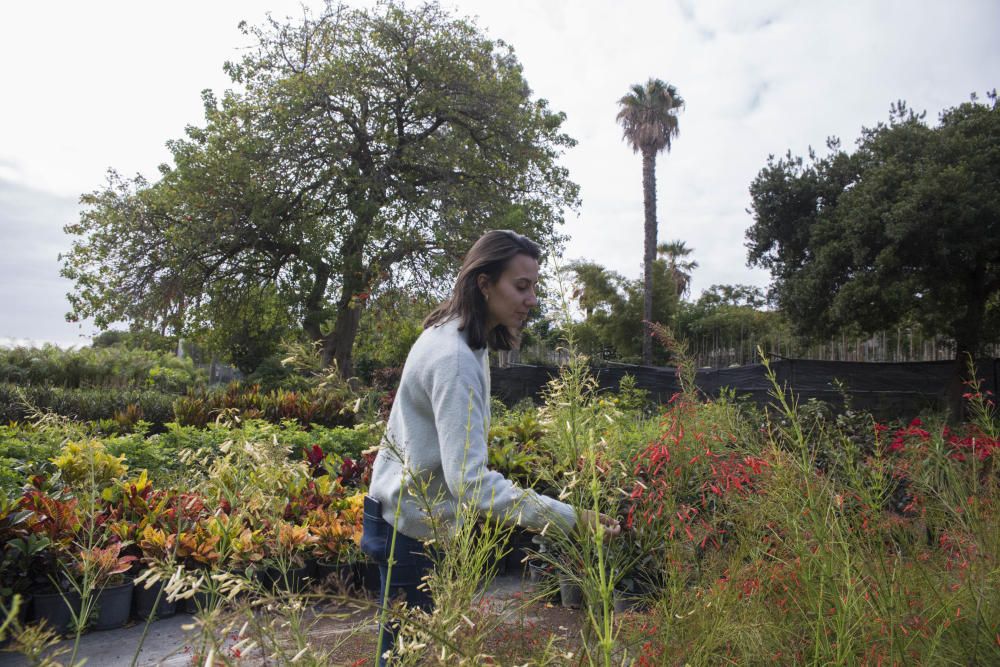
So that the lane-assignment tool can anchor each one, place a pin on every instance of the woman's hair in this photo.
(488, 256)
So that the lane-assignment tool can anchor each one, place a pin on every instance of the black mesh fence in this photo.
(889, 390)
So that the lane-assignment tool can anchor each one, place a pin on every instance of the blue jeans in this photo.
(411, 565)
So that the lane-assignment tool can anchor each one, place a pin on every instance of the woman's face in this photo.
(510, 299)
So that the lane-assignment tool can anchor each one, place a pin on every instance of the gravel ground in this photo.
(350, 633)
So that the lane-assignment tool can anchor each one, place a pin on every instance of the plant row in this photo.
(83, 524)
(121, 410)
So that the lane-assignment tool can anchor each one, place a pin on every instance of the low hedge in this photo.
(128, 405)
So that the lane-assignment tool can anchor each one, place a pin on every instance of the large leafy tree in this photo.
(648, 116)
(908, 226)
(358, 149)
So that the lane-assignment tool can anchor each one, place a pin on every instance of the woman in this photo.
(436, 435)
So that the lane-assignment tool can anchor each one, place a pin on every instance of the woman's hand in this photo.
(587, 522)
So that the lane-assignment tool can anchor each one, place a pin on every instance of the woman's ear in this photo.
(483, 282)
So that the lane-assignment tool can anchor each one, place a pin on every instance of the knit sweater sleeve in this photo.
(459, 395)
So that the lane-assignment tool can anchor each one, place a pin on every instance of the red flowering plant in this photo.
(979, 438)
(941, 462)
(685, 480)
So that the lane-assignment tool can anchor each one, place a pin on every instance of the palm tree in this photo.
(648, 116)
(680, 269)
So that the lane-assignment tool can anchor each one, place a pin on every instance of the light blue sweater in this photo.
(435, 444)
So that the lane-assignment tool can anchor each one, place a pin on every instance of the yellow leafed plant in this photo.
(86, 461)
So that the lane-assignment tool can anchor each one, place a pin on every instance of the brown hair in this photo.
(490, 255)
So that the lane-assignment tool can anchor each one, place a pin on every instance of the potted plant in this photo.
(570, 591)
(158, 551)
(12, 616)
(198, 549)
(246, 551)
(106, 569)
(17, 554)
(628, 594)
(47, 535)
(520, 550)
(541, 568)
(16, 559)
(336, 548)
(287, 547)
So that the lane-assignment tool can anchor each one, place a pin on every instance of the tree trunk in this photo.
(649, 249)
(338, 345)
(315, 302)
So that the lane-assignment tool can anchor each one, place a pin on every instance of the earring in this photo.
(487, 297)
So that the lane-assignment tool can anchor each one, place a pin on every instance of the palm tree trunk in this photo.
(649, 250)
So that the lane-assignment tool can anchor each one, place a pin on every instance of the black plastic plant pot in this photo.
(336, 576)
(294, 579)
(144, 598)
(628, 600)
(501, 565)
(539, 572)
(543, 580)
(114, 605)
(56, 610)
(520, 543)
(367, 572)
(570, 593)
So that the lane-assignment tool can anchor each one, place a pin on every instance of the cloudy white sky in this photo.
(88, 86)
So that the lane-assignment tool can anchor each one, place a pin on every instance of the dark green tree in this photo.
(907, 226)
(676, 254)
(613, 310)
(359, 149)
(731, 317)
(648, 116)
(389, 326)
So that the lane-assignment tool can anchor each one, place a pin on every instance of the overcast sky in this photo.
(88, 86)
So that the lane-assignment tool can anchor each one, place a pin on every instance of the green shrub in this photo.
(26, 443)
(10, 478)
(271, 374)
(345, 442)
(105, 367)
